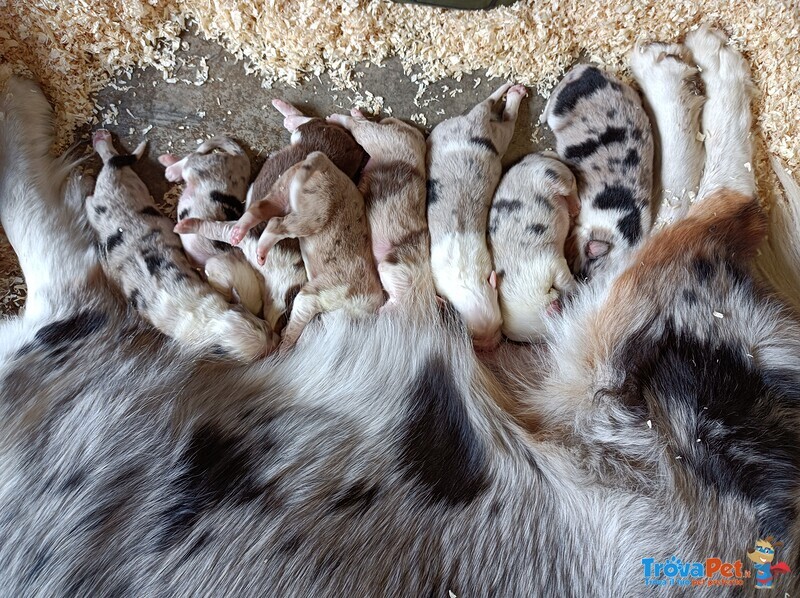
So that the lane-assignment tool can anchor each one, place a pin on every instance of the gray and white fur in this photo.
(216, 176)
(604, 134)
(528, 224)
(464, 168)
(142, 255)
(382, 458)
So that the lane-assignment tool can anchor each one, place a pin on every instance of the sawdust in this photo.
(76, 48)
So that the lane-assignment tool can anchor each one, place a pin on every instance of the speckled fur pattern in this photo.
(528, 224)
(604, 134)
(464, 168)
(215, 177)
(141, 254)
(380, 457)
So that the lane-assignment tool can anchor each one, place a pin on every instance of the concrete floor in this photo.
(173, 116)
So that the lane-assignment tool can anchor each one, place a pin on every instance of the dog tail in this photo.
(779, 261)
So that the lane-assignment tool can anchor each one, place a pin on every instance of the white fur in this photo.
(461, 268)
(665, 78)
(726, 115)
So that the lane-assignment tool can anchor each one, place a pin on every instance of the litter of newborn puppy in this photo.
(145, 258)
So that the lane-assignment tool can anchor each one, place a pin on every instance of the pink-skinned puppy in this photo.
(141, 254)
(464, 168)
(393, 185)
(528, 224)
(326, 213)
(309, 134)
(216, 176)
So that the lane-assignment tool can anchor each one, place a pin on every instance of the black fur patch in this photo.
(135, 299)
(551, 174)
(230, 205)
(632, 159)
(630, 227)
(432, 189)
(441, 450)
(150, 211)
(506, 205)
(122, 160)
(218, 470)
(615, 197)
(484, 142)
(183, 214)
(689, 296)
(63, 332)
(587, 148)
(747, 443)
(155, 262)
(536, 228)
(100, 210)
(591, 81)
(113, 241)
(543, 202)
(358, 498)
(703, 269)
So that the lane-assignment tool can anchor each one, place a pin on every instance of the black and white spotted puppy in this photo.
(464, 168)
(144, 257)
(603, 133)
(528, 224)
(216, 176)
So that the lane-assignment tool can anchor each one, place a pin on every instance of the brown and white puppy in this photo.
(309, 135)
(393, 185)
(145, 258)
(528, 224)
(604, 134)
(216, 176)
(463, 171)
(326, 213)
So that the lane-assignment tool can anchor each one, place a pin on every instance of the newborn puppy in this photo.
(144, 257)
(326, 212)
(283, 272)
(604, 134)
(463, 171)
(308, 135)
(216, 176)
(528, 224)
(393, 185)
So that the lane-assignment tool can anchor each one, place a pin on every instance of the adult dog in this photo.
(382, 458)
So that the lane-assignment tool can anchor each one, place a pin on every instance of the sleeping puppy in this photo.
(603, 134)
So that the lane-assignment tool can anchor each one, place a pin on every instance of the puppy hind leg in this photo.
(306, 306)
(670, 86)
(726, 119)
